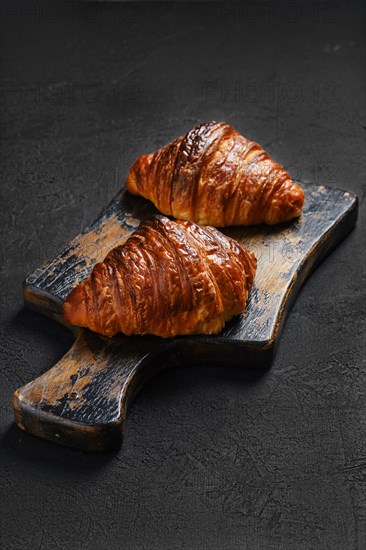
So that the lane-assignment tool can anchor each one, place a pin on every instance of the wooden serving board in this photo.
(82, 401)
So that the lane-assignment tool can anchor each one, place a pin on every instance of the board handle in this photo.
(82, 401)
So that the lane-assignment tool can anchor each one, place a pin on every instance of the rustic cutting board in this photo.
(82, 401)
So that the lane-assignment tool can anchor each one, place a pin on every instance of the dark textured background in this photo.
(211, 460)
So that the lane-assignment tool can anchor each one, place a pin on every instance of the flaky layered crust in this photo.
(168, 278)
(215, 176)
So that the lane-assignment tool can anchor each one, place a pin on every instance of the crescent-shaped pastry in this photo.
(215, 176)
(168, 278)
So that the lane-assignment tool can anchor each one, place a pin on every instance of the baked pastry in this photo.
(168, 278)
(215, 176)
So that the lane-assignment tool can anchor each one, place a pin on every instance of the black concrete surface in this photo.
(213, 459)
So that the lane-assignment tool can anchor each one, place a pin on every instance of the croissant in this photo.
(215, 176)
(168, 278)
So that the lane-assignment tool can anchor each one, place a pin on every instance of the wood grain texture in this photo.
(83, 400)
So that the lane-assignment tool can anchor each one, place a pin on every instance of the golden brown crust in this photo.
(215, 176)
(168, 278)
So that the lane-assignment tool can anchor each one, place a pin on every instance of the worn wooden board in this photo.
(82, 401)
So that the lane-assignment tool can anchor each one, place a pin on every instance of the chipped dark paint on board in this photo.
(91, 386)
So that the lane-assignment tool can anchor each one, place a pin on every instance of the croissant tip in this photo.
(74, 310)
(298, 198)
(131, 182)
(137, 173)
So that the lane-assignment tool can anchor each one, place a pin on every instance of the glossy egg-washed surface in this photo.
(169, 278)
(82, 401)
(215, 176)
